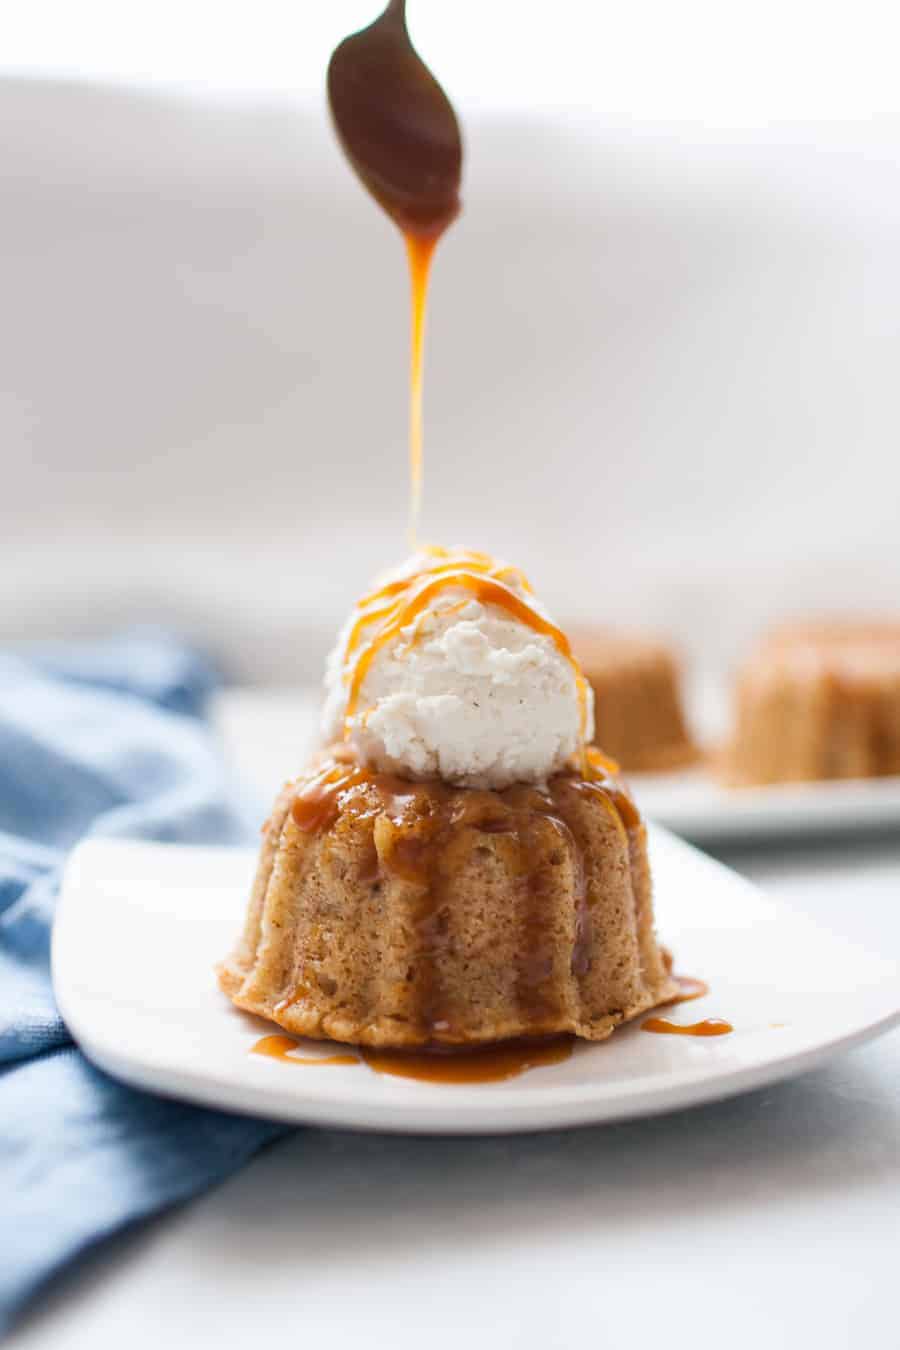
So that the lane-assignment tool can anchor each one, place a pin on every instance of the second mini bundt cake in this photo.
(638, 713)
(394, 913)
(818, 700)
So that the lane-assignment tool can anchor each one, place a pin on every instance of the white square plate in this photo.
(140, 926)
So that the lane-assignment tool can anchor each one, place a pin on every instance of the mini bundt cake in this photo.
(396, 913)
(638, 714)
(818, 700)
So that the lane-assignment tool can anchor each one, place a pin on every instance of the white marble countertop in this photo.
(770, 1220)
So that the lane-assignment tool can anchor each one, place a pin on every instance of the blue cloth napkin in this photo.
(102, 738)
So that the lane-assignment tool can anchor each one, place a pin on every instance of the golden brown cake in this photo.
(395, 913)
(818, 700)
(638, 712)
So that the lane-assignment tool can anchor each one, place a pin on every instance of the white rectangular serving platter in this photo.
(140, 927)
(694, 804)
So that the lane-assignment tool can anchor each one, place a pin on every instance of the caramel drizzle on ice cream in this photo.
(386, 611)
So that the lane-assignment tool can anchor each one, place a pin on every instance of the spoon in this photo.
(396, 125)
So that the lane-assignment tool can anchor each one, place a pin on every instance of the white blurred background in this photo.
(664, 347)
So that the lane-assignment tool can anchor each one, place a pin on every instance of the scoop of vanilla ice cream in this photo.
(467, 693)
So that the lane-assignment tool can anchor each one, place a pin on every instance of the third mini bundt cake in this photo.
(819, 700)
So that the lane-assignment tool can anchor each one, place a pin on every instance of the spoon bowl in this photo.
(396, 125)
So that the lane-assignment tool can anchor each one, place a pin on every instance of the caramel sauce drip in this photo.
(385, 612)
(318, 800)
(488, 1064)
(281, 1047)
(492, 1063)
(400, 134)
(710, 1026)
(416, 822)
(598, 764)
(615, 795)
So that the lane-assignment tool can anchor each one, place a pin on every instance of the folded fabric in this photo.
(102, 738)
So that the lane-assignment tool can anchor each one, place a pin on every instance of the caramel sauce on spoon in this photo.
(400, 134)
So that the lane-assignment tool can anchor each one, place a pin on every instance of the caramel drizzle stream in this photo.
(420, 252)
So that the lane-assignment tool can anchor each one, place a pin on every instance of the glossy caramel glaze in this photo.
(339, 782)
(282, 1047)
(421, 818)
(318, 799)
(710, 1026)
(489, 1064)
